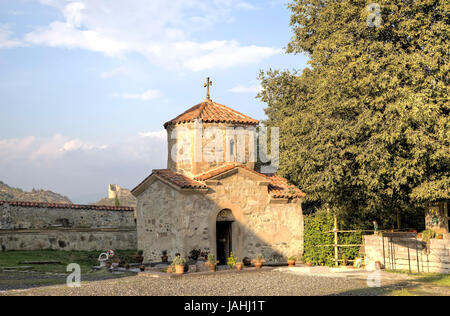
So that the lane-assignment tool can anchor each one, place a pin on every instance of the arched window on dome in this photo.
(231, 158)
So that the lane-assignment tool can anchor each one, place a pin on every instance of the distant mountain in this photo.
(8, 193)
(123, 195)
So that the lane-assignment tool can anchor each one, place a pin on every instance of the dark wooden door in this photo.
(224, 241)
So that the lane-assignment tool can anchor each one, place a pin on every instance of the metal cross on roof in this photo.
(207, 85)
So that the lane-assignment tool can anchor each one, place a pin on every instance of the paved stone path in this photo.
(250, 283)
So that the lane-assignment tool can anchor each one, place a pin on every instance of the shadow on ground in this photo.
(27, 280)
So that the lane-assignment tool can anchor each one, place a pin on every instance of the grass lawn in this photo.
(24, 277)
(426, 284)
(86, 259)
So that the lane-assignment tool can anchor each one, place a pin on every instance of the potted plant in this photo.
(291, 261)
(108, 264)
(115, 262)
(427, 235)
(140, 257)
(231, 261)
(258, 261)
(309, 264)
(212, 263)
(440, 236)
(164, 257)
(142, 268)
(205, 255)
(179, 265)
(239, 266)
(195, 254)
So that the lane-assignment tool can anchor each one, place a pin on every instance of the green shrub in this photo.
(316, 238)
(349, 253)
(315, 226)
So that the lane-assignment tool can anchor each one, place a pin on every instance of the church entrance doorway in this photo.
(224, 236)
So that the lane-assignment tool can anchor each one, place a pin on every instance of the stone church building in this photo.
(216, 206)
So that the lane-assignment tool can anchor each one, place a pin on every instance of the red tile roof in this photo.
(212, 112)
(179, 180)
(174, 178)
(228, 167)
(67, 206)
(280, 188)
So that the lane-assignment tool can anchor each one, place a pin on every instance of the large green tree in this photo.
(366, 128)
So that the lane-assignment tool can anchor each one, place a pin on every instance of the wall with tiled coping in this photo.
(423, 257)
(35, 226)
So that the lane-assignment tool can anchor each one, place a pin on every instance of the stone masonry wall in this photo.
(180, 222)
(45, 226)
(434, 257)
(189, 132)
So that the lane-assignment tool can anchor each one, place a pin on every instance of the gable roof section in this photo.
(280, 188)
(212, 112)
(173, 178)
(216, 172)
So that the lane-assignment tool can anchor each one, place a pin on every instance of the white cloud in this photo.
(80, 169)
(160, 30)
(162, 135)
(5, 38)
(113, 73)
(146, 96)
(225, 54)
(246, 89)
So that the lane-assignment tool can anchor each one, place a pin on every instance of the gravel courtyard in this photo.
(250, 283)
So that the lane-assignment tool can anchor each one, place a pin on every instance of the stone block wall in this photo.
(190, 137)
(403, 253)
(36, 226)
(179, 222)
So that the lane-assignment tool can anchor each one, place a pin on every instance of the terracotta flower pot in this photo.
(309, 264)
(212, 266)
(291, 263)
(179, 269)
(258, 265)
(239, 266)
(419, 236)
(441, 237)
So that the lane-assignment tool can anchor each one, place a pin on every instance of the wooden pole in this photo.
(336, 248)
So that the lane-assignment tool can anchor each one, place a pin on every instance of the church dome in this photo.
(212, 112)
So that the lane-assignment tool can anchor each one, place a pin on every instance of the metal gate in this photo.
(403, 251)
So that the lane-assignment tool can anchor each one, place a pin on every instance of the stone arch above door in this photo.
(225, 215)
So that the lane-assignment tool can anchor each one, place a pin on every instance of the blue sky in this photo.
(85, 86)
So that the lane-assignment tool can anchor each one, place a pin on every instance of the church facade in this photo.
(213, 199)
